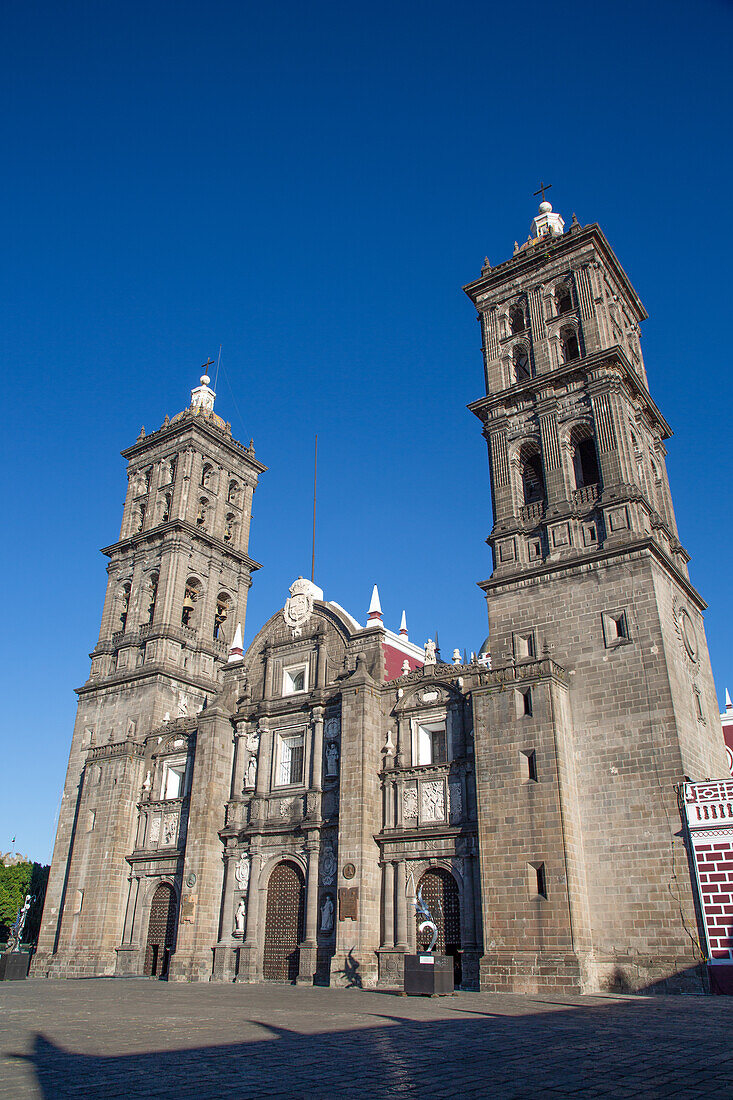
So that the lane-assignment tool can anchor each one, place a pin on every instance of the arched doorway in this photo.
(284, 923)
(439, 891)
(161, 931)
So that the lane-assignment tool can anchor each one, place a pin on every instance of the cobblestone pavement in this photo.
(141, 1038)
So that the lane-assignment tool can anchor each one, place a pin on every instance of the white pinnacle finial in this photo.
(403, 624)
(235, 652)
(375, 607)
(728, 703)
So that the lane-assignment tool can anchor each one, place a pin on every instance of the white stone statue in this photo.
(332, 759)
(456, 656)
(147, 783)
(430, 652)
(182, 704)
(251, 772)
(240, 917)
(405, 667)
(241, 872)
(327, 914)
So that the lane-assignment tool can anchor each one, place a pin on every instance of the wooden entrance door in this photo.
(439, 891)
(284, 923)
(161, 931)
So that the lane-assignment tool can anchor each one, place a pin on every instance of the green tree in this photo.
(16, 881)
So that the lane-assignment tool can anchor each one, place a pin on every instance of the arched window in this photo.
(585, 463)
(516, 320)
(124, 605)
(166, 508)
(153, 589)
(229, 527)
(569, 344)
(533, 479)
(202, 513)
(233, 494)
(520, 363)
(563, 299)
(191, 597)
(221, 614)
(207, 476)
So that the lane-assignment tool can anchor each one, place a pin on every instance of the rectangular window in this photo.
(538, 879)
(173, 780)
(523, 701)
(432, 747)
(615, 628)
(530, 764)
(295, 679)
(524, 646)
(291, 760)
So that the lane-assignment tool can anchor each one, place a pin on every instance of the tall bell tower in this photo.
(178, 579)
(589, 573)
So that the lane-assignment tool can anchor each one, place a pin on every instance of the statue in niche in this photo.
(327, 914)
(332, 759)
(251, 772)
(182, 704)
(241, 872)
(239, 917)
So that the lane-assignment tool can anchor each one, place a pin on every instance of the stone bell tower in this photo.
(589, 573)
(179, 577)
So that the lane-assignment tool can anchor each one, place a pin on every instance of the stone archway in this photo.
(161, 931)
(284, 923)
(439, 891)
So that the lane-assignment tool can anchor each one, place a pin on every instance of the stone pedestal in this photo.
(14, 966)
(307, 965)
(428, 975)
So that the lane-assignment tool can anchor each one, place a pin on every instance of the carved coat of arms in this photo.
(299, 606)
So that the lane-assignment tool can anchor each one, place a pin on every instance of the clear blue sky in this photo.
(310, 185)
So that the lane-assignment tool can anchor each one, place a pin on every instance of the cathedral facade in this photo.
(272, 814)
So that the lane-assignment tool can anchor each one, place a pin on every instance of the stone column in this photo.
(469, 903)
(248, 951)
(309, 947)
(317, 754)
(238, 766)
(401, 906)
(388, 906)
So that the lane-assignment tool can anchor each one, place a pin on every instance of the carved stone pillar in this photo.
(469, 903)
(317, 756)
(388, 906)
(309, 947)
(249, 950)
(401, 906)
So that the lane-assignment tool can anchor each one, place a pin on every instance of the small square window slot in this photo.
(529, 757)
(540, 879)
(615, 628)
(523, 700)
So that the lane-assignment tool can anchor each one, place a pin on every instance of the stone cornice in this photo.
(615, 358)
(533, 574)
(180, 427)
(533, 260)
(193, 532)
(152, 671)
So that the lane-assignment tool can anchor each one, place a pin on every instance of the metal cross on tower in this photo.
(543, 187)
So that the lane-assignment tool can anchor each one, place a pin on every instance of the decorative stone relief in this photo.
(332, 728)
(328, 864)
(183, 701)
(170, 828)
(241, 872)
(433, 801)
(286, 806)
(330, 803)
(299, 605)
(455, 800)
(409, 803)
(154, 830)
(430, 696)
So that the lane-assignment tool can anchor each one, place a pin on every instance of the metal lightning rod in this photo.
(315, 476)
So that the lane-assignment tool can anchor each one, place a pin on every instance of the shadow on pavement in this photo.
(615, 1049)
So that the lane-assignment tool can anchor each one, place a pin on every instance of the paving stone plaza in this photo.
(141, 1038)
